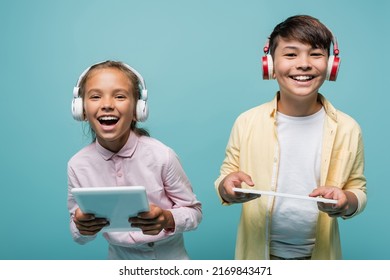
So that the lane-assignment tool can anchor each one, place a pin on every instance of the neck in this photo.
(114, 145)
(299, 107)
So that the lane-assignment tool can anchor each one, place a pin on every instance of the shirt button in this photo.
(151, 244)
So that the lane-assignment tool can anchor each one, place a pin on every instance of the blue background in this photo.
(201, 63)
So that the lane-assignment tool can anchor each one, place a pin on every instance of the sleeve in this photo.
(72, 206)
(232, 156)
(357, 181)
(186, 209)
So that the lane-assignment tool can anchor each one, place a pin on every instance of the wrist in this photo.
(170, 221)
(352, 203)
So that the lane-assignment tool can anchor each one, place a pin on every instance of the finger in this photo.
(315, 193)
(246, 179)
(151, 229)
(148, 215)
(151, 232)
(154, 213)
(94, 222)
(87, 233)
(244, 197)
(251, 196)
(80, 216)
(326, 207)
(331, 210)
(241, 178)
(90, 230)
(321, 191)
(142, 221)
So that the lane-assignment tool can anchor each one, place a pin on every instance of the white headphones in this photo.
(331, 73)
(142, 110)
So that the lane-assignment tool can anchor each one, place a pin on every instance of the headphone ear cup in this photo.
(268, 67)
(333, 68)
(142, 110)
(77, 109)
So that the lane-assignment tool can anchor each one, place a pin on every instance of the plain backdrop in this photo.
(201, 63)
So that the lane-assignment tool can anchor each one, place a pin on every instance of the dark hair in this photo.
(134, 82)
(303, 28)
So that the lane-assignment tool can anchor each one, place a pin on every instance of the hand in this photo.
(346, 205)
(234, 180)
(153, 221)
(87, 224)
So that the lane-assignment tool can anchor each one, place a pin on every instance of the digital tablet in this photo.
(317, 199)
(116, 204)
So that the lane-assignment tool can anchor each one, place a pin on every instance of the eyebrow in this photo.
(99, 91)
(290, 47)
(297, 48)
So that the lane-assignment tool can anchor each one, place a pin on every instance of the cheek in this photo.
(128, 110)
(322, 65)
(86, 110)
(281, 68)
(89, 109)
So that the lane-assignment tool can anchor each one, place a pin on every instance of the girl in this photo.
(111, 96)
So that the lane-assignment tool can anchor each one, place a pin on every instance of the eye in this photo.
(94, 97)
(290, 55)
(318, 53)
(120, 97)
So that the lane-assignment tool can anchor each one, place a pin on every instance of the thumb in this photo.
(246, 179)
(80, 216)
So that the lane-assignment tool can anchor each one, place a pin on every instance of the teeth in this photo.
(108, 118)
(303, 78)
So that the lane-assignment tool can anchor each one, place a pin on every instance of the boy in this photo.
(291, 145)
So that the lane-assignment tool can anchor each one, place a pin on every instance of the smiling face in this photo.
(109, 106)
(300, 70)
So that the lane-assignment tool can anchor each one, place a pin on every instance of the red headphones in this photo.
(331, 73)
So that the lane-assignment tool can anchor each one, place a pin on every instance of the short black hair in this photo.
(303, 28)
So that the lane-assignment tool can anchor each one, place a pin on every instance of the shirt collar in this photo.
(329, 109)
(127, 150)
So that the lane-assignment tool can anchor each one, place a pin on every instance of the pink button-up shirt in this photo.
(147, 162)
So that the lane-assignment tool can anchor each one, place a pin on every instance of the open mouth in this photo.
(108, 120)
(302, 78)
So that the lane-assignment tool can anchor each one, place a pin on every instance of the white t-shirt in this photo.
(294, 221)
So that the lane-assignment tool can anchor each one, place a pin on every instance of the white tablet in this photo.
(116, 204)
(317, 199)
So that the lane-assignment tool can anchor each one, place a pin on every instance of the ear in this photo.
(134, 117)
(84, 115)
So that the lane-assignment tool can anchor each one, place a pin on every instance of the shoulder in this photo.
(149, 146)
(344, 121)
(256, 114)
(152, 143)
(88, 152)
(347, 123)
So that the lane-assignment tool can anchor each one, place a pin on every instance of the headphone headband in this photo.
(142, 84)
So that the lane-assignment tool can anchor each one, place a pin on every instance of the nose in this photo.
(107, 104)
(303, 63)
